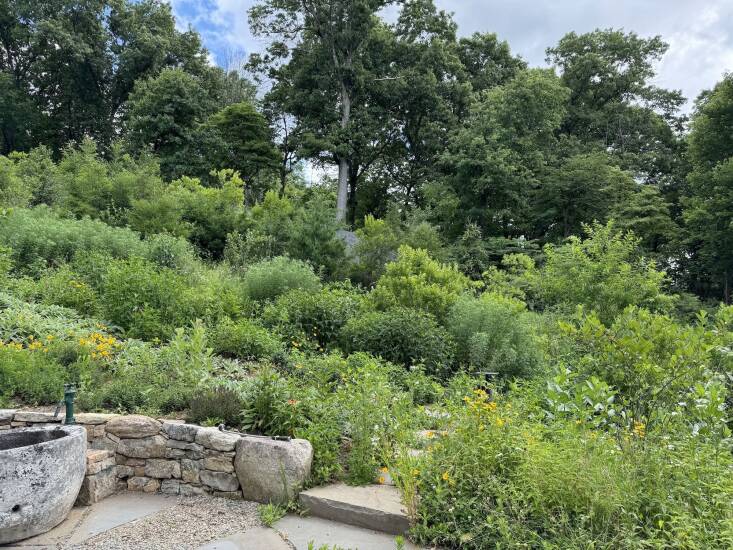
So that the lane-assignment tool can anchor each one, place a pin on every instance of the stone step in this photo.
(376, 507)
(305, 533)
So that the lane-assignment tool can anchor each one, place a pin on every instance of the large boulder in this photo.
(134, 426)
(270, 470)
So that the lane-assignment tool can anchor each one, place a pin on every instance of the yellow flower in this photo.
(639, 429)
(381, 480)
(446, 476)
(430, 434)
(384, 469)
(415, 472)
(500, 422)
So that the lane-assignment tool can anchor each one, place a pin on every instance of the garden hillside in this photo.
(519, 315)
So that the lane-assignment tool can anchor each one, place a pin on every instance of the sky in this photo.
(699, 32)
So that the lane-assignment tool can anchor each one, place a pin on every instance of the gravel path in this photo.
(189, 524)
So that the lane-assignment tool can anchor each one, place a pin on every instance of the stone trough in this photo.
(41, 472)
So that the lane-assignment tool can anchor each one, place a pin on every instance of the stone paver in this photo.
(117, 510)
(301, 531)
(85, 522)
(257, 538)
(375, 507)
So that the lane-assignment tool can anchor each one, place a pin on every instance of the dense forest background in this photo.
(456, 138)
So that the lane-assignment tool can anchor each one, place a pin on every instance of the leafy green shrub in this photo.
(269, 406)
(650, 359)
(30, 376)
(374, 413)
(211, 212)
(376, 245)
(403, 336)
(269, 279)
(13, 190)
(314, 238)
(244, 339)
(414, 280)
(65, 288)
(251, 247)
(143, 378)
(603, 272)
(148, 303)
(216, 403)
(494, 333)
(318, 316)
(39, 239)
(20, 320)
(564, 486)
(170, 252)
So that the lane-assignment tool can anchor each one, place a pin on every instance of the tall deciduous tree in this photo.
(326, 40)
(163, 114)
(493, 162)
(67, 67)
(585, 188)
(612, 103)
(242, 142)
(708, 206)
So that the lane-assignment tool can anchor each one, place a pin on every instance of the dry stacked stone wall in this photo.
(139, 453)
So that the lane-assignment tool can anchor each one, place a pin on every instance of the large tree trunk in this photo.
(343, 188)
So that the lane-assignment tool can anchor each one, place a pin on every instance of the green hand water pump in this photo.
(69, 394)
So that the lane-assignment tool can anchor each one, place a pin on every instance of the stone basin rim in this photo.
(58, 431)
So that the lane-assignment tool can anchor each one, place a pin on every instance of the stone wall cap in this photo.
(213, 438)
(6, 415)
(36, 416)
(134, 426)
(94, 418)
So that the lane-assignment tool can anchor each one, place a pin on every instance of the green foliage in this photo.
(244, 339)
(29, 376)
(216, 403)
(140, 377)
(271, 513)
(63, 287)
(317, 316)
(495, 334)
(603, 272)
(163, 112)
(148, 303)
(313, 237)
(402, 336)
(650, 360)
(269, 279)
(376, 245)
(585, 189)
(709, 202)
(501, 149)
(568, 486)
(13, 191)
(241, 141)
(269, 406)
(414, 280)
(39, 239)
(209, 213)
